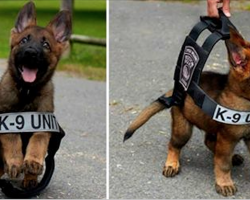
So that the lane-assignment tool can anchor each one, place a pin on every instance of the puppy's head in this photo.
(35, 51)
(238, 55)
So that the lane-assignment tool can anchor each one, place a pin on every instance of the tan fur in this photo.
(145, 115)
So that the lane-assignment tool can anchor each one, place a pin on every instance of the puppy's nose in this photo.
(30, 53)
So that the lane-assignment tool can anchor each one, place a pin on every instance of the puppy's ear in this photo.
(25, 18)
(61, 26)
(236, 55)
(236, 49)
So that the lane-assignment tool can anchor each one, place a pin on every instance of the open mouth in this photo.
(29, 75)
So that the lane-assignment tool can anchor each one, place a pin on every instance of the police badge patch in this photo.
(189, 61)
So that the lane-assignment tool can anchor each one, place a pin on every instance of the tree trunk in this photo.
(88, 40)
(67, 5)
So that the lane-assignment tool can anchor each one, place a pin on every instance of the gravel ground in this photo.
(145, 40)
(80, 108)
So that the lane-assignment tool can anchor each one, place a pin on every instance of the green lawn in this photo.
(89, 19)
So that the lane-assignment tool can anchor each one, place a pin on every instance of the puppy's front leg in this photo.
(34, 158)
(12, 154)
(222, 161)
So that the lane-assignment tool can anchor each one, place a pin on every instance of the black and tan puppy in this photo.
(26, 86)
(232, 91)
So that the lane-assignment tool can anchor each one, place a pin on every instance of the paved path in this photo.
(80, 107)
(145, 39)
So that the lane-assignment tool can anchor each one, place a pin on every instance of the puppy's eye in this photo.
(24, 40)
(46, 45)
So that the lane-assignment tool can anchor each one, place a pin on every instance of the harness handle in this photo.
(220, 25)
(193, 57)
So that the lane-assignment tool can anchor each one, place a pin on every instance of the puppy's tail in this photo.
(144, 116)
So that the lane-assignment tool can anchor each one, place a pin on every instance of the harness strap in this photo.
(166, 101)
(216, 111)
(199, 55)
(207, 48)
(198, 29)
(190, 63)
(202, 100)
(211, 41)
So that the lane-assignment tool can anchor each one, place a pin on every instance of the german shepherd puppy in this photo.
(27, 86)
(230, 90)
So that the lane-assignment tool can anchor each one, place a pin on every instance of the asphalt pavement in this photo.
(80, 108)
(145, 40)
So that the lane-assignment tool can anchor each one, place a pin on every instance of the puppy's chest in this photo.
(26, 104)
(238, 131)
(20, 104)
(246, 132)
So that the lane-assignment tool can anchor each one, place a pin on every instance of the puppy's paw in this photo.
(13, 168)
(226, 190)
(32, 167)
(170, 171)
(29, 182)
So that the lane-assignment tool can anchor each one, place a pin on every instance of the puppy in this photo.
(27, 86)
(230, 90)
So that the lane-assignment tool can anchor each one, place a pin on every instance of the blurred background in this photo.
(89, 26)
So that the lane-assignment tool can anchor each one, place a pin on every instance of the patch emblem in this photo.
(190, 60)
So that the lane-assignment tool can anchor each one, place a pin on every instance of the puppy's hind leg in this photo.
(181, 133)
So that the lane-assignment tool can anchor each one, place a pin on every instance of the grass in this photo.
(189, 1)
(89, 19)
(246, 5)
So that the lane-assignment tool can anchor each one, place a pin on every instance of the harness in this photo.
(30, 122)
(190, 64)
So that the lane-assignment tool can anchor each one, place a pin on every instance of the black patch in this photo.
(128, 135)
(237, 160)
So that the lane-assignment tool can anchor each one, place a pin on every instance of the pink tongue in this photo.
(29, 75)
